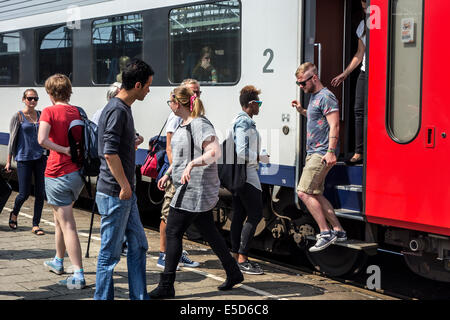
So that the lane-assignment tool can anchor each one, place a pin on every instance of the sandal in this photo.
(38, 231)
(355, 160)
(12, 223)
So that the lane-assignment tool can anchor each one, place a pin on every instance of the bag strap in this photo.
(185, 186)
(19, 116)
(159, 135)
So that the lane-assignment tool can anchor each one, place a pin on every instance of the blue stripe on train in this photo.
(268, 174)
(273, 174)
(4, 138)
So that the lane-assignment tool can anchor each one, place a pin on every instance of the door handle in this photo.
(430, 140)
(319, 63)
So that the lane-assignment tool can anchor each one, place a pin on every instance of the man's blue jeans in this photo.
(119, 218)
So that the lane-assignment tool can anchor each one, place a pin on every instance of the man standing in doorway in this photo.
(321, 147)
(116, 198)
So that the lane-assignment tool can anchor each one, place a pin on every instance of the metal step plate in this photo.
(369, 247)
(350, 187)
(349, 214)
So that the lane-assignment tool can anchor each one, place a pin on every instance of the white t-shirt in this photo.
(173, 122)
(359, 33)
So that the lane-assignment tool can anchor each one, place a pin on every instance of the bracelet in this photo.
(167, 174)
(331, 150)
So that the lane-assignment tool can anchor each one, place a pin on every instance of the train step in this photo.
(349, 214)
(368, 247)
(348, 197)
(341, 174)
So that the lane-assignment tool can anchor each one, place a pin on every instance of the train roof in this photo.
(12, 9)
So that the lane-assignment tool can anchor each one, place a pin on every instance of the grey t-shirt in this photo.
(317, 128)
(116, 135)
(201, 194)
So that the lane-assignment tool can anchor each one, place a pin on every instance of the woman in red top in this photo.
(63, 183)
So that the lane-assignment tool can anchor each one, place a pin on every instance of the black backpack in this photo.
(232, 170)
(85, 152)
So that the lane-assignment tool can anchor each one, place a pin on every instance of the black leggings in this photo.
(177, 223)
(360, 95)
(246, 204)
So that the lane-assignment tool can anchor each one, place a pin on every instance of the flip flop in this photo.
(38, 232)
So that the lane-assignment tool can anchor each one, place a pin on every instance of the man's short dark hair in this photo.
(136, 71)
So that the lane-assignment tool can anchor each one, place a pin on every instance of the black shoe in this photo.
(250, 268)
(165, 288)
(12, 223)
(231, 282)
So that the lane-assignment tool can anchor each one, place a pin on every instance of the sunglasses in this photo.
(169, 102)
(303, 83)
(33, 98)
(257, 101)
(198, 93)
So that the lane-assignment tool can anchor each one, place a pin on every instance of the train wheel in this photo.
(427, 266)
(337, 261)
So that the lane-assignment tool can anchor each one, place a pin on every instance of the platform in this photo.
(23, 276)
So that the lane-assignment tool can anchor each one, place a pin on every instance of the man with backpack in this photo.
(116, 198)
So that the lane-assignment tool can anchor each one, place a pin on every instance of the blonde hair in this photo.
(189, 81)
(305, 67)
(183, 95)
(59, 87)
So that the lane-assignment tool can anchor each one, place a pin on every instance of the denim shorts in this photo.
(64, 190)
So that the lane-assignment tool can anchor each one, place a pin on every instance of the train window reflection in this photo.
(9, 58)
(55, 52)
(205, 43)
(405, 69)
(115, 41)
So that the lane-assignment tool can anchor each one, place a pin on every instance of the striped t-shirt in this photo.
(201, 194)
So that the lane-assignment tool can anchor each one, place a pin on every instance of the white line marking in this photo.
(203, 273)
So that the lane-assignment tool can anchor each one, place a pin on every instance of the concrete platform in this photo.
(23, 277)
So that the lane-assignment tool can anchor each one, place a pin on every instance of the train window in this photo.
(55, 52)
(205, 43)
(115, 41)
(9, 58)
(406, 32)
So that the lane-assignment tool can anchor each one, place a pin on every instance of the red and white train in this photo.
(397, 200)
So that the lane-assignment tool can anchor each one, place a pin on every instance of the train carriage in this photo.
(395, 201)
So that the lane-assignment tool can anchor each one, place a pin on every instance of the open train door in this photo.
(408, 117)
(326, 42)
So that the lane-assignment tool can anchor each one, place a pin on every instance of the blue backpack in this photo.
(85, 152)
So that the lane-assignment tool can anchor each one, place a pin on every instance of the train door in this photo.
(408, 139)
(330, 42)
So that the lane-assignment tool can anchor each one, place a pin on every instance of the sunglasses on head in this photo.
(33, 98)
(303, 83)
(257, 101)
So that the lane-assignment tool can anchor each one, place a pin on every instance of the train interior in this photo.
(344, 182)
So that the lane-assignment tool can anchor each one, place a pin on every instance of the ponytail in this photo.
(189, 100)
(197, 109)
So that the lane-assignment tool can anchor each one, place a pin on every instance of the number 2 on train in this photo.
(266, 67)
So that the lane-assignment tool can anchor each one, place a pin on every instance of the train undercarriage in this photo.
(285, 230)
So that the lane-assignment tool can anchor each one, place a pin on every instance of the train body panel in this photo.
(406, 162)
(397, 198)
(268, 61)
